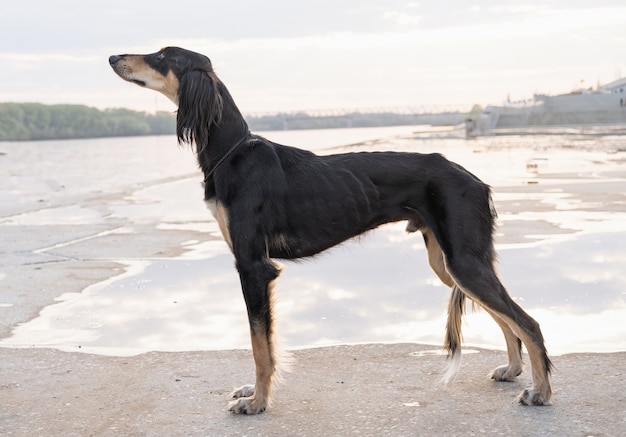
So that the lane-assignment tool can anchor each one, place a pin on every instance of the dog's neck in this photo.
(229, 132)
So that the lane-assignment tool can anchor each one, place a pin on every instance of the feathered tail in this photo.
(454, 336)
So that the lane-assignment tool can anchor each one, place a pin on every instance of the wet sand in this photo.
(368, 389)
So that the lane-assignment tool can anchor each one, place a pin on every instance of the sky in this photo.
(281, 55)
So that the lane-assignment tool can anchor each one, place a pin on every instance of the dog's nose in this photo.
(113, 59)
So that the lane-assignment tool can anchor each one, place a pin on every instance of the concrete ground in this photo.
(368, 390)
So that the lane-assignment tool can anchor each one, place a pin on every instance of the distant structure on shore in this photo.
(603, 106)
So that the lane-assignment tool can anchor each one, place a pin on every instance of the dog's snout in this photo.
(113, 59)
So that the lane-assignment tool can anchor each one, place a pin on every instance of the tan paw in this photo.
(505, 373)
(244, 391)
(533, 397)
(248, 405)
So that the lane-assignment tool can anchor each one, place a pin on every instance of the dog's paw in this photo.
(245, 402)
(533, 397)
(247, 405)
(245, 391)
(505, 373)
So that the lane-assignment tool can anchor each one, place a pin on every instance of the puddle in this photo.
(569, 274)
(574, 288)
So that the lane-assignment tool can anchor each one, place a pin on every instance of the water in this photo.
(561, 240)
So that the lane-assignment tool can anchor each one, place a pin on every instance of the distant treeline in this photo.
(295, 121)
(35, 121)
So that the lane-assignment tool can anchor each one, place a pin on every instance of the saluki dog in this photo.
(279, 202)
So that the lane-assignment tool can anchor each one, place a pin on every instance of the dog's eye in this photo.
(160, 56)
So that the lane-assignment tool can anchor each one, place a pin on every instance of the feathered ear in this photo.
(199, 107)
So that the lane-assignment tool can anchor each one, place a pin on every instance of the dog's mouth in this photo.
(124, 70)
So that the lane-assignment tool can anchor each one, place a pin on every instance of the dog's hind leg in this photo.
(476, 276)
(510, 371)
(465, 219)
(456, 310)
(435, 257)
(456, 306)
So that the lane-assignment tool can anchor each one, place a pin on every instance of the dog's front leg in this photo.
(256, 280)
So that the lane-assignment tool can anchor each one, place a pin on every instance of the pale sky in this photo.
(281, 55)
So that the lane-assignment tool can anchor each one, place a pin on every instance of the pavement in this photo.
(366, 390)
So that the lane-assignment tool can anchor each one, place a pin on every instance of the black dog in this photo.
(274, 201)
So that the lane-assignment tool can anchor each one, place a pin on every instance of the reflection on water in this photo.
(378, 289)
(561, 253)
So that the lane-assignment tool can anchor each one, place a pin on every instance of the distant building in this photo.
(615, 87)
(603, 106)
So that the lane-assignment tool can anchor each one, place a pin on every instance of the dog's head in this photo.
(161, 71)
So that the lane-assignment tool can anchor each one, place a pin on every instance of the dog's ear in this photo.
(199, 107)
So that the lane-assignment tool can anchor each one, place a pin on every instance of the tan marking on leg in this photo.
(541, 391)
(269, 365)
(510, 371)
(435, 257)
(220, 213)
(222, 221)
(264, 364)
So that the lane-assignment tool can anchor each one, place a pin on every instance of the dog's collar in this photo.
(223, 158)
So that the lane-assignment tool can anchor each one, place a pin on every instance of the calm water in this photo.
(569, 274)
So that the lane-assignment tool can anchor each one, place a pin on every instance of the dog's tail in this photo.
(454, 337)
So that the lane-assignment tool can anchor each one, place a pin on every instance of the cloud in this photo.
(282, 56)
(34, 58)
(402, 18)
